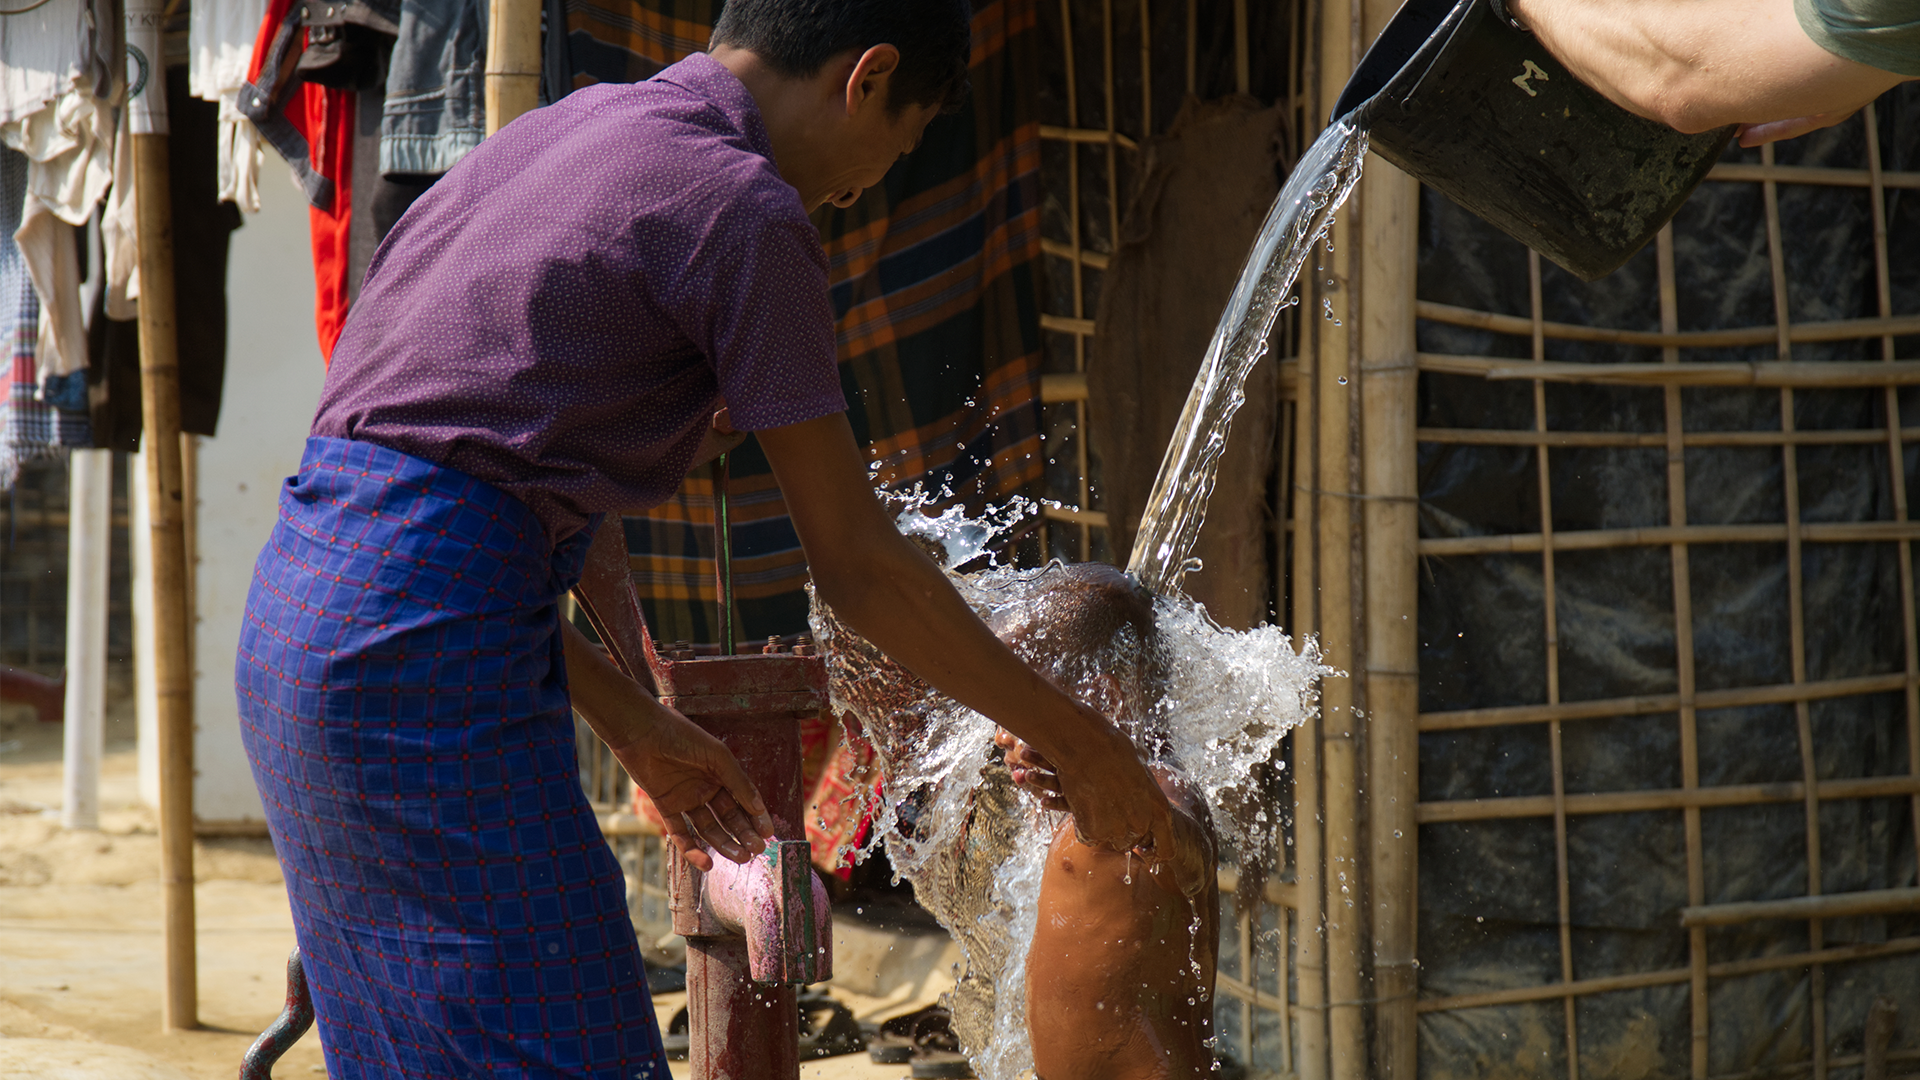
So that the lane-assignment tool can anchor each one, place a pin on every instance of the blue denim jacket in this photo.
(436, 98)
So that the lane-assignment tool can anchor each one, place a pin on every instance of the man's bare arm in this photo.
(1696, 65)
(885, 588)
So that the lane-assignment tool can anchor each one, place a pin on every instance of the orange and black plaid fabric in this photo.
(935, 280)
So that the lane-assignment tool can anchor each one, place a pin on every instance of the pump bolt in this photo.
(772, 647)
(803, 645)
(683, 650)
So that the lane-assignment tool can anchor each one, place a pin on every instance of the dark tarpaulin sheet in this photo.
(1488, 894)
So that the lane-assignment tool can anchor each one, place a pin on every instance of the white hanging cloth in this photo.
(220, 35)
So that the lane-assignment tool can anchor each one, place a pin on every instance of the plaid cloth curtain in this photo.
(935, 285)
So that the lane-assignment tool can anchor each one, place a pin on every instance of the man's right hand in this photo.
(888, 591)
(1116, 803)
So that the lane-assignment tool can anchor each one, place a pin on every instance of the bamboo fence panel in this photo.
(1786, 375)
(1255, 970)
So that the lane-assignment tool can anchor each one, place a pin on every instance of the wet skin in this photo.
(1120, 975)
(1113, 964)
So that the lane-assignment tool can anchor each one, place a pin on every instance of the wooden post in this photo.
(166, 508)
(1388, 250)
(1339, 526)
(513, 60)
(89, 538)
(1388, 246)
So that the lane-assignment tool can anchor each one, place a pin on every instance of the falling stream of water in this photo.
(973, 845)
(1300, 216)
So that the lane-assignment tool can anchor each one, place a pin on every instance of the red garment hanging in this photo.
(325, 119)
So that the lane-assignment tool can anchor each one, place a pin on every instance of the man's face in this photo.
(875, 138)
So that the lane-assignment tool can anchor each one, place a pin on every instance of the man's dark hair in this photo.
(797, 38)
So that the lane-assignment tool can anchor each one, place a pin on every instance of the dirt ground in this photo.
(80, 948)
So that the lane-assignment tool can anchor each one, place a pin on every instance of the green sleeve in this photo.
(1878, 33)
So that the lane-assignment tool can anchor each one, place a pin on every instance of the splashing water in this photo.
(1300, 217)
(1209, 703)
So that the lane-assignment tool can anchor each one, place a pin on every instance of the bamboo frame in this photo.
(1896, 460)
(1785, 375)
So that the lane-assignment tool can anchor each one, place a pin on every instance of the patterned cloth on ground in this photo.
(403, 702)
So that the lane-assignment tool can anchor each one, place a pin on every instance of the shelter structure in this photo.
(1625, 776)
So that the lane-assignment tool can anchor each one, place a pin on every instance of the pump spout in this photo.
(777, 903)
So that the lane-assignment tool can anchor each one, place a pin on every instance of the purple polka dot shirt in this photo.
(561, 314)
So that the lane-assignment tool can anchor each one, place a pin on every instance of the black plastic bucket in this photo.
(1456, 96)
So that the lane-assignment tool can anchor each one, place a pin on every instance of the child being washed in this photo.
(1120, 972)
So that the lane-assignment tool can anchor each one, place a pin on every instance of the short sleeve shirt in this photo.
(561, 313)
(1884, 34)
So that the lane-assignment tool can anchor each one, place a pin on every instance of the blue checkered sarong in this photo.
(403, 702)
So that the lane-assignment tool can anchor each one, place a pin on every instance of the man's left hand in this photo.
(703, 795)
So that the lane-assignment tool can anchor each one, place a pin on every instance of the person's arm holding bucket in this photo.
(884, 587)
(1778, 68)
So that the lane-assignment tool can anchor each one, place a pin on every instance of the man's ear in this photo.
(870, 75)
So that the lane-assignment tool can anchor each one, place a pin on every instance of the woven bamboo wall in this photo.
(1785, 936)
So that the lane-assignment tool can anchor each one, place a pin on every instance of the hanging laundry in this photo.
(203, 224)
(30, 428)
(220, 37)
(58, 73)
(435, 97)
(308, 60)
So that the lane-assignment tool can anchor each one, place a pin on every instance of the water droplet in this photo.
(1342, 380)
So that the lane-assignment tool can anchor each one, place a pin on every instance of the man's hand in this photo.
(1706, 63)
(1189, 858)
(703, 795)
(885, 588)
(699, 788)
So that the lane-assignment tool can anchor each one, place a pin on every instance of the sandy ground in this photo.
(80, 948)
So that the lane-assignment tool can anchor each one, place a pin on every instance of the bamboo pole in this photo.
(1086, 135)
(1811, 906)
(1688, 799)
(1840, 532)
(1660, 440)
(513, 60)
(1896, 460)
(1310, 1061)
(1640, 980)
(1805, 174)
(89, 540)
(1832, 330)
(1868, 374)
(1550, 624)
(1388, 398)
(1338, 522)
(173, 676)
(1646, 704)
